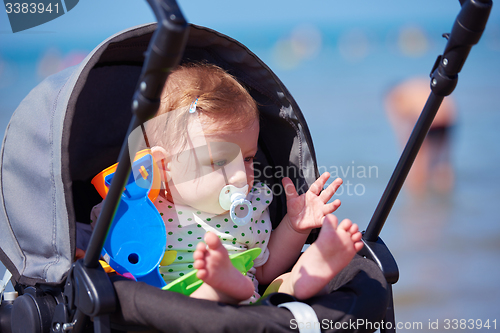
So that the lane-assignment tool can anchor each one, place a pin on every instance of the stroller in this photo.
(74, 124)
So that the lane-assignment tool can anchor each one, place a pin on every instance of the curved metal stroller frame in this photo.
(55, 299)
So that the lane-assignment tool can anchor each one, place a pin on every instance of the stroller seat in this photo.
(72, 127)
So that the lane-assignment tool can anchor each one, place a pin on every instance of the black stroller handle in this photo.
(164, 53)
(466, 32)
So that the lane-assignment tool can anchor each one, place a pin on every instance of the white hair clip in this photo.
(192, 108)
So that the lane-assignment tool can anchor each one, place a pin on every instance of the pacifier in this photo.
(234, 199)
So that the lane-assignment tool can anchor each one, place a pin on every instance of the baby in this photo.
(204, 138)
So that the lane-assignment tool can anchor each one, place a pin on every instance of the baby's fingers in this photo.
(79, 254)
(331, 207)
(318, 185)
(328, 192)
(289, 188)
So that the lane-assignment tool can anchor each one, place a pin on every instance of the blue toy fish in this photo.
(137, 238)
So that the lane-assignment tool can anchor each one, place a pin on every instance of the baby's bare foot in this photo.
(223, 282)
(326, 257)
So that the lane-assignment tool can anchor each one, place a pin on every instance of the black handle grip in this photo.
(164, 53)
(466, 32)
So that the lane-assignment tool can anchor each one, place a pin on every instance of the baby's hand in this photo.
(79, 254)
(307, 211)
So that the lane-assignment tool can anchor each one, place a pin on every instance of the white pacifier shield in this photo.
(232, 197)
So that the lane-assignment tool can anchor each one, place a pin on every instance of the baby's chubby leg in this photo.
(325, 258)
(223, 282)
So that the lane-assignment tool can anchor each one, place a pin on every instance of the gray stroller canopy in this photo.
(72, 125)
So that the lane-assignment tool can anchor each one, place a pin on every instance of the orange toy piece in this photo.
(100, 185)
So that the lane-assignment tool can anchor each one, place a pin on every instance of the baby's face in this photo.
(197, 174)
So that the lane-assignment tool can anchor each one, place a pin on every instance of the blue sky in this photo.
(104, 17)
(95, 15)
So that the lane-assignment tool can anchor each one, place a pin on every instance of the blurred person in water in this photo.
(432, 169)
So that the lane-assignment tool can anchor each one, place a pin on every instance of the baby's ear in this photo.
(159, 154)
(161, 159)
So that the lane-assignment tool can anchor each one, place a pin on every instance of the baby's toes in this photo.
(345, 225)
(200, 252)
(199, 264)
(202, 273)
(358, 245)
(354, 228)
(356, 237)
(212, 241)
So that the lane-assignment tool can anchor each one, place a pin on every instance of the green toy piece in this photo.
(188, 283)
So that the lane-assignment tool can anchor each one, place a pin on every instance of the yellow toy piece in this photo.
(168, 258)
(106, 267)
(99, 183)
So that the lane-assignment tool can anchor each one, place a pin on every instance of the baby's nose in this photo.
(238, 178)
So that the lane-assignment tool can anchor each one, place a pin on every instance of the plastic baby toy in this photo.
(136, 241)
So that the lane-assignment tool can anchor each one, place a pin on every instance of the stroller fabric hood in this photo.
(72, 125)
